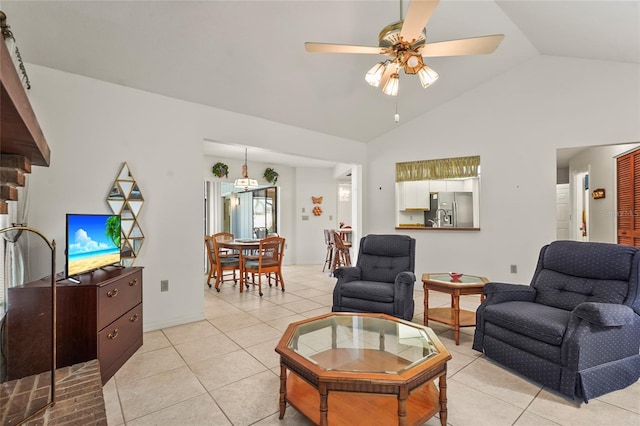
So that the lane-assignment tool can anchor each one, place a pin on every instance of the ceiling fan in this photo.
(405, 42)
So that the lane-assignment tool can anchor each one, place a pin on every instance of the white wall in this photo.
(92, 127)
(316, 182)
(600, 162)
(515, 123)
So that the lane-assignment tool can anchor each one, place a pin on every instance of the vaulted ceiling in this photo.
(249, 56)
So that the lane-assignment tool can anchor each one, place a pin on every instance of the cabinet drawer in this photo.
(118, 297)
(117, 337)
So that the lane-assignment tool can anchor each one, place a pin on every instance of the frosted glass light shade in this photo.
(413, 61)
(246, 183)
(391, 88)
(374, 75)
(427, 76)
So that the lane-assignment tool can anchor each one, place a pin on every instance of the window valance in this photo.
(446, 168)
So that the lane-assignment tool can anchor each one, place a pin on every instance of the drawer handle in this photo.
(112, 293)
(134, 318)
(113, 335)
(133, 282)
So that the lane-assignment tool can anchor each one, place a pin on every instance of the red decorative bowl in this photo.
(455, 276)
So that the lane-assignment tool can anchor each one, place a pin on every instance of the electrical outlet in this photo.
(514, 269)
(164, 285)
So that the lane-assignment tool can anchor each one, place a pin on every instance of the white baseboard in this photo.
(173, 322)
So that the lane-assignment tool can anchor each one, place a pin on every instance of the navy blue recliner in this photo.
(382, 280)
(576, 328)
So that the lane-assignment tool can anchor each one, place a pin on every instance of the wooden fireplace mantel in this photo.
(22, 142)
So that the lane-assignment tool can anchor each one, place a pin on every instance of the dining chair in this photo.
(225, 236)
(267, 262)
(328, 241)
(220, 260)
(341, 252)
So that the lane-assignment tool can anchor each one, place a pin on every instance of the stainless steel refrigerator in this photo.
(455, 209)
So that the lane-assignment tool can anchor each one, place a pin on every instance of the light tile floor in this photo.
(224, 370)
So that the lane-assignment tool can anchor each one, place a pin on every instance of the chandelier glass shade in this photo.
(427, 76)
(391, 87)
(245, 182)
(412, 64)
(374, 75)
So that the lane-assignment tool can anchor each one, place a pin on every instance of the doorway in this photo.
(580, 226)
(252, 214)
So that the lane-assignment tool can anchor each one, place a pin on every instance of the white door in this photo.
(563, 211)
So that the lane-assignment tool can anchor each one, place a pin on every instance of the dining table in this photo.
(242, 246)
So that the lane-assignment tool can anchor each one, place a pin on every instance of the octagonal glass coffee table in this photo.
(345, 369)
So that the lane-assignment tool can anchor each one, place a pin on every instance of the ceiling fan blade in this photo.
(343, 48)
(418, 15)
(466, 46)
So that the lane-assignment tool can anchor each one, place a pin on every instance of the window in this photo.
(265, 212)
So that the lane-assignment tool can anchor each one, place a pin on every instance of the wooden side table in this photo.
(442, 282)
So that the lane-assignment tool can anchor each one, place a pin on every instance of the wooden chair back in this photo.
(220, 259)
(268, 261)
(342, 255)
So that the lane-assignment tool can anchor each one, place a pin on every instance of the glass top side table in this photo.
(455, 316)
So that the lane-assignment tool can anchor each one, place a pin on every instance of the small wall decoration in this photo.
(317, 211)
(220, 169)
(271, 175)
(598, 193)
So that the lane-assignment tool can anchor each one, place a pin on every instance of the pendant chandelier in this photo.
(244, 181)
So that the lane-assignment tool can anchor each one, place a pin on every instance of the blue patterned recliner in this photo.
(576, 328)
(382, 280)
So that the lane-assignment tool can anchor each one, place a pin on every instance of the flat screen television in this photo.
(93, 241)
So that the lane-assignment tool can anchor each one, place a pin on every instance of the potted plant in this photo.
(220, 169)
(271, 175)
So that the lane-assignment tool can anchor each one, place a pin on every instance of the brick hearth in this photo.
(79, 398)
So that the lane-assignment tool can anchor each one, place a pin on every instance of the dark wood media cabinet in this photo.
(99, 318)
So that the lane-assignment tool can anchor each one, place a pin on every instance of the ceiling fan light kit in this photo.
(405, 43)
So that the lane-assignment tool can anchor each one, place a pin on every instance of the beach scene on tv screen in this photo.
(92, 242)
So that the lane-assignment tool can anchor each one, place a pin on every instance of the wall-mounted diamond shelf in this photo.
(126, 200)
